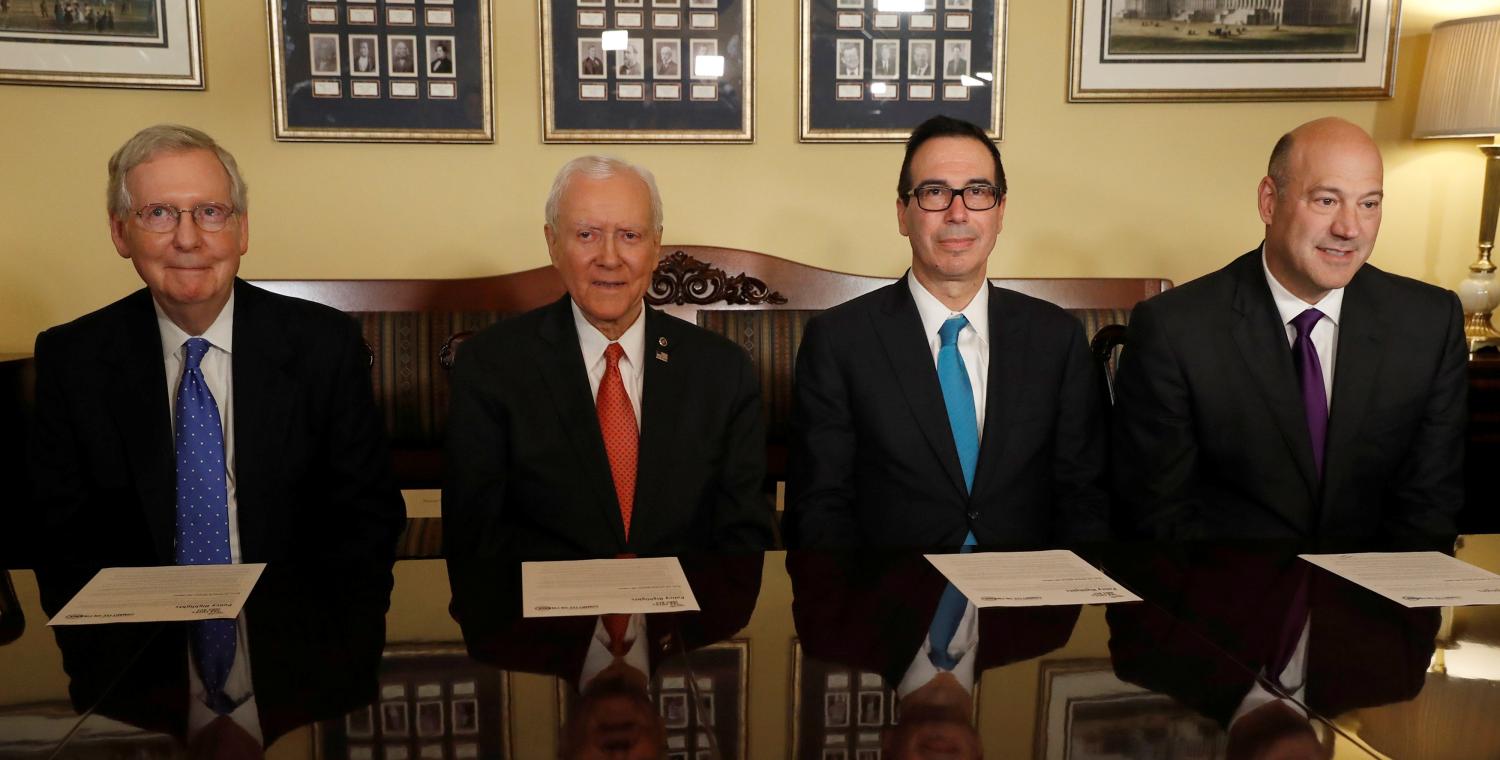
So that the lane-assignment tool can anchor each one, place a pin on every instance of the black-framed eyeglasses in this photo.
(164, 217)
(977, 197)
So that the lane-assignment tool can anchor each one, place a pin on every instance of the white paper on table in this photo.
(1028, 579)
(604, 586)
(1414, 579)
(161, 594)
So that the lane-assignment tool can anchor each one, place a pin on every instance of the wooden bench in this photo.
(759, 301)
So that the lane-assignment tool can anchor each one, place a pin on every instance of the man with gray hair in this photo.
(203, 421)
(201, 406)
(597, 426)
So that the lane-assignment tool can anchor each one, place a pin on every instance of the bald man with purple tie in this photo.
(1299, 392)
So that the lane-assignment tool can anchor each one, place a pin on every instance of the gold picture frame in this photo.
(692, 117)
(870, 100)
(153, 46)
(1122, 51)
(460, 109)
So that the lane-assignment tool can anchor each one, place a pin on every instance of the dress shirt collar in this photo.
(220, 334)
(593, 342)
(934, 313)
(1289, 306)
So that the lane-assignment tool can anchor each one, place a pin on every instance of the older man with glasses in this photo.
(201, 419)
(942, 411)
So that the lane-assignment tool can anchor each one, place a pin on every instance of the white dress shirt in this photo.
(598, 657)
(973, 340)
(217, 367)
(964, 647)
(1325, 340)
(974, 347)
(1293, 676)
(632, 364)
(1325, 334)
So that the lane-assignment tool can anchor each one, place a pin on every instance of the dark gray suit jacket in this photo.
(1210, 440)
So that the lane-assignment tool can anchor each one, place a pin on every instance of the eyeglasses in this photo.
(164, 217)
(979, 197)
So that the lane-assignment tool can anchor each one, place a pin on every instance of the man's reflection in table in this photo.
(1232, 640)
(312, 635)
(607, 660)
(874, 612)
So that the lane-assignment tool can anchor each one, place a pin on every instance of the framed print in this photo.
(144, 44)
(669, 71)
(433, 701)
(1084, 705)
(870, 73)
(393, 72)
(1129, 50)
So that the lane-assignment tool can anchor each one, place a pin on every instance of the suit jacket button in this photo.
(974, 515)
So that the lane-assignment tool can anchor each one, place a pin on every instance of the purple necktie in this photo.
(1310, 376)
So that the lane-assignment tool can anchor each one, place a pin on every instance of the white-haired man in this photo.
(597, 426)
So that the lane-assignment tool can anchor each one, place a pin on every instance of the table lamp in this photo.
(1461, 98)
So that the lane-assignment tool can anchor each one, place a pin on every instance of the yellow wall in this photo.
(1097, 189)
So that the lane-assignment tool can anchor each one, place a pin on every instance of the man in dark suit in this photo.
(278, 450)
(1222, 430)
(942, 410)
(593, 65)
(441, 63)
(597, 426)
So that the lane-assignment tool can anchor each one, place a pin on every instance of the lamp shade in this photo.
(1461, 87)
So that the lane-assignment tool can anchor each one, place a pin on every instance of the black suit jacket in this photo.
(312, 470)
(527, 471)
(873, 612)
(873, 460)
(1217, 615)
(315, 635)
(488, 606)
(1209, 434)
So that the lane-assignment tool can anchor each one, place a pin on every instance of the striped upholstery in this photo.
(411, 388)
(771, 337)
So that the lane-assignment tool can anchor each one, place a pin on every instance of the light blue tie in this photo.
(958, 397)
(203, 513)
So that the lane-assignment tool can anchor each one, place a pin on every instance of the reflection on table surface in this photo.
(797, 655)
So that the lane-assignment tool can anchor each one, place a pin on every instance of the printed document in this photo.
(161, 594)
(1028, 579)
(605, 586)
(1415, 579)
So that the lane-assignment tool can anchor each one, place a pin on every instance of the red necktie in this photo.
(617, 423)
(617, 626)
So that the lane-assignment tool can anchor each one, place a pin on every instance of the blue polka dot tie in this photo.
(203, 513)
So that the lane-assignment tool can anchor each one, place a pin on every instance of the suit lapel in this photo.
(1008, 352)
(566, 378)
(662, 383)
(141, 415)
(263, 397)
(1261, 339)
(1362, 332)
(899, 327)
